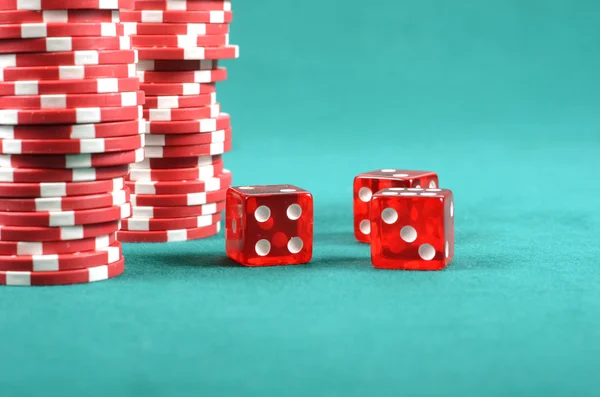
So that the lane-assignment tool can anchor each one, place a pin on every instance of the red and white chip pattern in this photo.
(71, 123)
(178, 189)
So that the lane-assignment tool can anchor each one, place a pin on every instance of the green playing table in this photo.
(499, 97)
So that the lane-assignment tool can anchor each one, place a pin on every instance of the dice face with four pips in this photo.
(369, 183)
(269, 225)
(412, 228)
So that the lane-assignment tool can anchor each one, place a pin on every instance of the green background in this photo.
(500, 97)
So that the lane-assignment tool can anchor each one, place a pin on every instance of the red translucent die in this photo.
(269, 225)
(367, 184)
(412, 229)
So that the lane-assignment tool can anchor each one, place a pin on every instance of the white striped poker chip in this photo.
(187, 151)
(39, 175)
(54, 87)
(198, 76)
(78, 72)
(62, 262)
(60, 16)
(177, 174)
(72, 146)
(59, 189)
(190, 53)
(220, 182)
(38, 5)
(183, 5)
(43, 233)
(222, 122)
(75, 131)
(203, 112)
(204, 138)
(78, 276)
(56, 247)
(60, 29)
(69, 58)
(64, 44)
(178, 200)
(75, 203)
(178, 212)
(195, 29)
(155, 224)
(60, 161)
(169, 236)
(160, 16)
(66, 218)
(65, 101)
(178, 102)
(69, 116)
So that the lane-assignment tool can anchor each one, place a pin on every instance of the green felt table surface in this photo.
(499, 97)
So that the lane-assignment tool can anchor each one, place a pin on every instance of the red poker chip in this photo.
(160, 16)
(153, 152)
(204, 138)
(198, 76)
(61, 262)
(66, 4)
(69, 116)
(60, 29)
(222, 122)
(181, 114)
(72, 160)
(33, 175)
(177, 200)
(66, 218)
(62, 44)
(226, 52)
(76, 203)
(166, 236)
(156, 224)
(178, 174)
(182, 162)
(177, 89)
(75, 131)
(59, 16)
(50, 87)
(67, 72)
(183, 5)
(177, 66)
(62, 101)
(179, 41)
(59, 189)
(220, 182)
(194, 29)
(79, 276)
(178, 102)
(178, 212)
(41, 233)
(72, 146)
(56, 247)
(70, 58)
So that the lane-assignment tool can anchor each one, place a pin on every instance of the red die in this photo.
(269, 225)
(412, 229)
(366, 185)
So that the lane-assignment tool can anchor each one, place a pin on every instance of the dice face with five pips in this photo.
(412, 228)
(269, 225)
(369, 183)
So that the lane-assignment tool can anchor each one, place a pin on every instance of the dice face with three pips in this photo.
(369, 183)
(269, 225)
(412, 228)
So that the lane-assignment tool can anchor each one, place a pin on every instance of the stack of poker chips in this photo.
(70, 125)
(178, 191)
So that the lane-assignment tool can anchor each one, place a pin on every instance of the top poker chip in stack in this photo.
(178, 191)
(70, 125)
